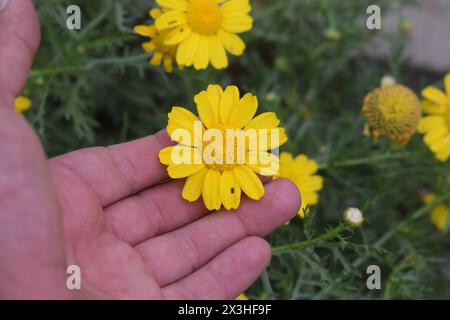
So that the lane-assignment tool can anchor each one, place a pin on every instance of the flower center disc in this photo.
(204, 16)
(399, 107)
(219, 155)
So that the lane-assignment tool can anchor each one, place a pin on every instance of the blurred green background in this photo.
(304, 61)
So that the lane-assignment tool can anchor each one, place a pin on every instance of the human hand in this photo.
(112, 210)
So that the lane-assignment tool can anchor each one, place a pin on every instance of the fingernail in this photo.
(3, 4)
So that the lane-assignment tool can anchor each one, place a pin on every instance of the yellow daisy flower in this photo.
(161, 52)
(436, 126)
(205, 29)
(22, 104)
(392, 110)
(219, 166)
(301, 171)
(242, 296)
(439, 214)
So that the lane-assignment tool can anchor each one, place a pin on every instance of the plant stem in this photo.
(91, 64)
(381, 241)
(411, 218)
(267, 285)
(330, 234)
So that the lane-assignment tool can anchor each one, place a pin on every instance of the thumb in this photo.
(19, 38)
(32, 259)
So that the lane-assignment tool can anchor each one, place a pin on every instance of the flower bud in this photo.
(388, 80)
(332, 34)
(353, 217)
(406, 26)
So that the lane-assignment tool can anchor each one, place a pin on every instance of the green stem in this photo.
(330, 234)
(90, 65)
(362, 161)
(411, 218)
(414, 216)
(267, 285)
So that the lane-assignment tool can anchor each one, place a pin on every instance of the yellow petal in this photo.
(309, 198)
(149, 46)
(146, 31)
(165, 155)
(230, 192)
(440, 144)
(155, 13)
(178, 35)
(187, 49)
(201, 59)
(180, 5)
(266, 120)
(285, 158)
(439, 216)
(180, 154)
(433, 108)
(232, 43)
(192, 189)
(263, 163)
(430, 122)
(435, 134)
(313, 183)
(268, 139)
(242, 296)
(249, 182)
(428, 198)
(170, 19)
(211, 190)
(181, 118)
(208, 113)
(244, 112)
(436, 95)
(233, 7)
(156, 59)
(215, 93)
(444, 153)
(307, 166)
(447, 84)
(217, 53)
(237, 24)
(178, 171)
(168, 65)
(229, 101)
(301, 211)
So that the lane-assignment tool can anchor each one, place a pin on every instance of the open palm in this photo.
(112, 210)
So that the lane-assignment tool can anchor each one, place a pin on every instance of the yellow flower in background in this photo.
(242, 296)
(436, 126)
(161, 52)
(219, 172)
(302, 171)
(439, 214)
(205, 29)
(392, 110)
(22, 104)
